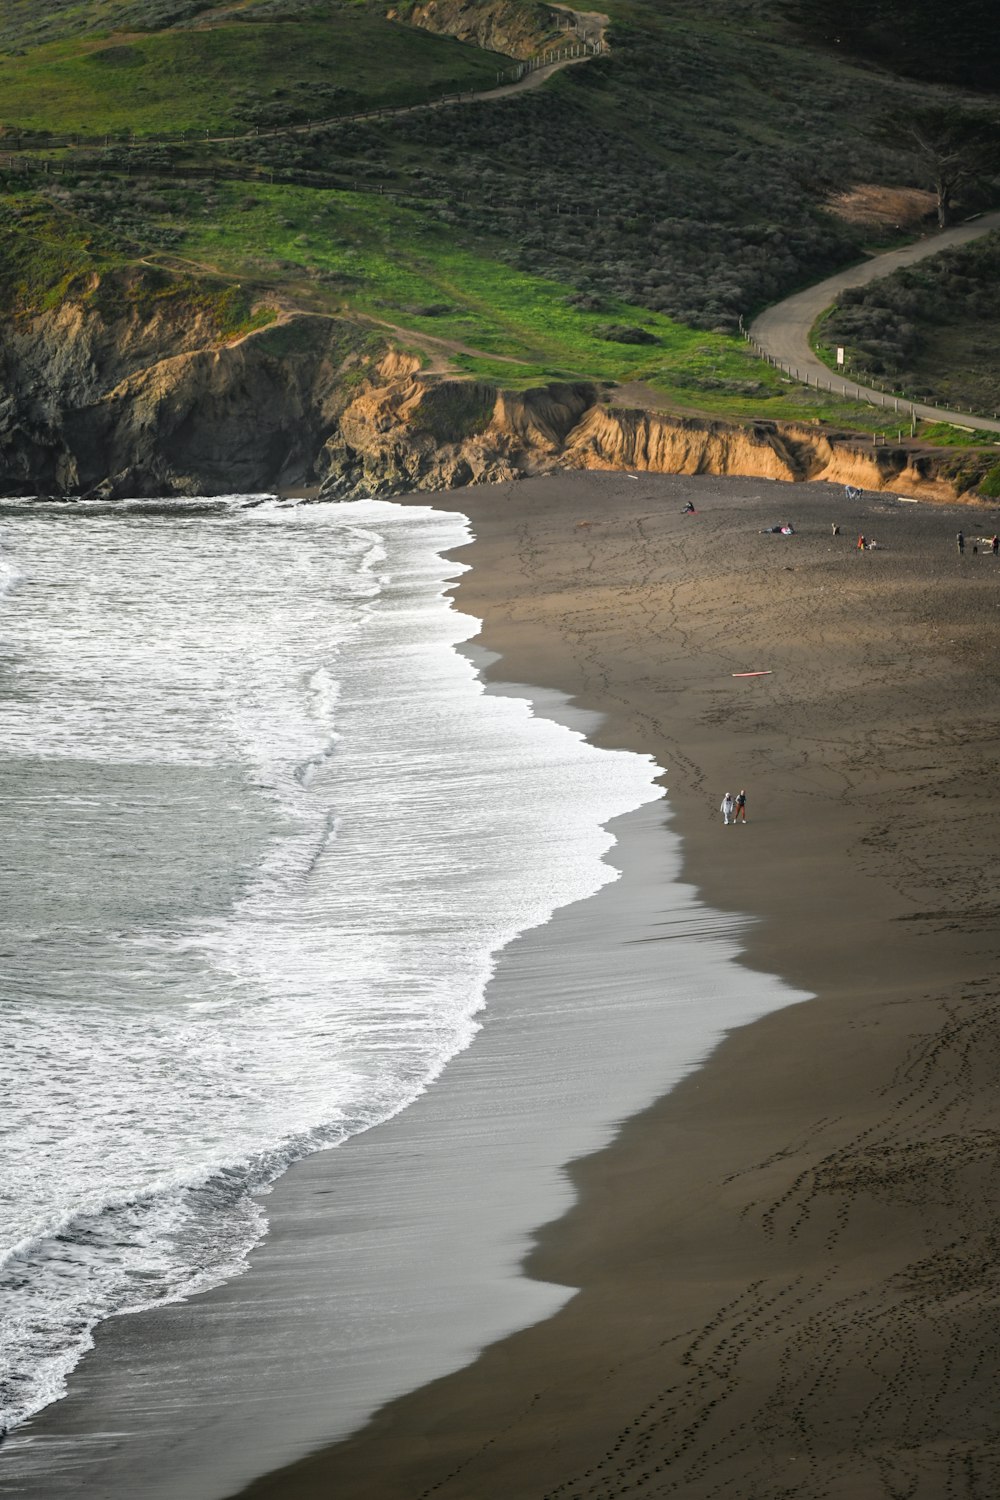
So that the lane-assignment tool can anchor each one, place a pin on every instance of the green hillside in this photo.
(234, 70)
(615, 223)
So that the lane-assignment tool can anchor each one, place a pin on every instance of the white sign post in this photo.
(840, 355)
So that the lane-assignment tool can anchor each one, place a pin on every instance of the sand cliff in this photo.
(413, 432)
(125, 388)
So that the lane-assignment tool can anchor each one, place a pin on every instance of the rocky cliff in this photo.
(516, 30)
(409, 432)
(610, 438)
(127, 388)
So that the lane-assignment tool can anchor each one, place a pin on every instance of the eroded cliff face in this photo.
(417, 432)
(118, 393)
(413, 432)
(121, 391)
(494, 25)
(610, 438)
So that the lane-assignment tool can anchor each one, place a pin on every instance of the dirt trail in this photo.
(439, 350)
(593, 25)
(783, 330)
(593, 22)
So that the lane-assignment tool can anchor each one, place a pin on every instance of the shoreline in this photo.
(782, 1259)
(396, 1257)
(784, 1262)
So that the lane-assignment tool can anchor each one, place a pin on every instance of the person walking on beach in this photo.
(861, 542)
(741, 806)
(727, 809)
(995, 545)
(961, 541)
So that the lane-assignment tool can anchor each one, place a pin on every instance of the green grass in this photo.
(47, 253)
(355, 253)
(386, 261)
(43, 250)
(26, 23)
(220, 79)
(989, 485)
(232, 308)
(379, 258)
(945, 435)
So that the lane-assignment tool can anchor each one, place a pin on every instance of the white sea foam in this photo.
(266, 835)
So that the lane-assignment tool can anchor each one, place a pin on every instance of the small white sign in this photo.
(840, 354)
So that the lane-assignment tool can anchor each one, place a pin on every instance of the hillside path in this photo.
(593, 24)
(783, 330)
(590, 38)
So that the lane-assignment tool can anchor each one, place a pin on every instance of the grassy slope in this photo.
(680, 176)
(221, 77)
(397, 266)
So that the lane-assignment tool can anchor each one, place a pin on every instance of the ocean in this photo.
(264, 835)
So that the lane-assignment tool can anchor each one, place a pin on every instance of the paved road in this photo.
(783, 330)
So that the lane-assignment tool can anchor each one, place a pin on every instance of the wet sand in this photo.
(787, 1267)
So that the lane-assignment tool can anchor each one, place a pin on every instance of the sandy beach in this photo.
(787, 1265)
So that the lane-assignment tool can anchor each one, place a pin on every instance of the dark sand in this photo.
(395, 1258)
(789, 1265)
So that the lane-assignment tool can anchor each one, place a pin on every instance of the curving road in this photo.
(783, 330)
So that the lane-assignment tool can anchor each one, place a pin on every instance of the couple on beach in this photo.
(734, 808)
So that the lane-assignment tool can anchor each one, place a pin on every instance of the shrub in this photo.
(623, 333)
(989, 485)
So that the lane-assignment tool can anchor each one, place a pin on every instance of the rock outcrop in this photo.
(610, 438)
(495, 25)
(124, 395)
(126, 389)
(416, 432)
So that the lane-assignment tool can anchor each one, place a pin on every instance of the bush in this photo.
(623, 333)
(989, 485)
(922, 328)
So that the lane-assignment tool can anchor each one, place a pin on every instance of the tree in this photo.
(955, 148)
